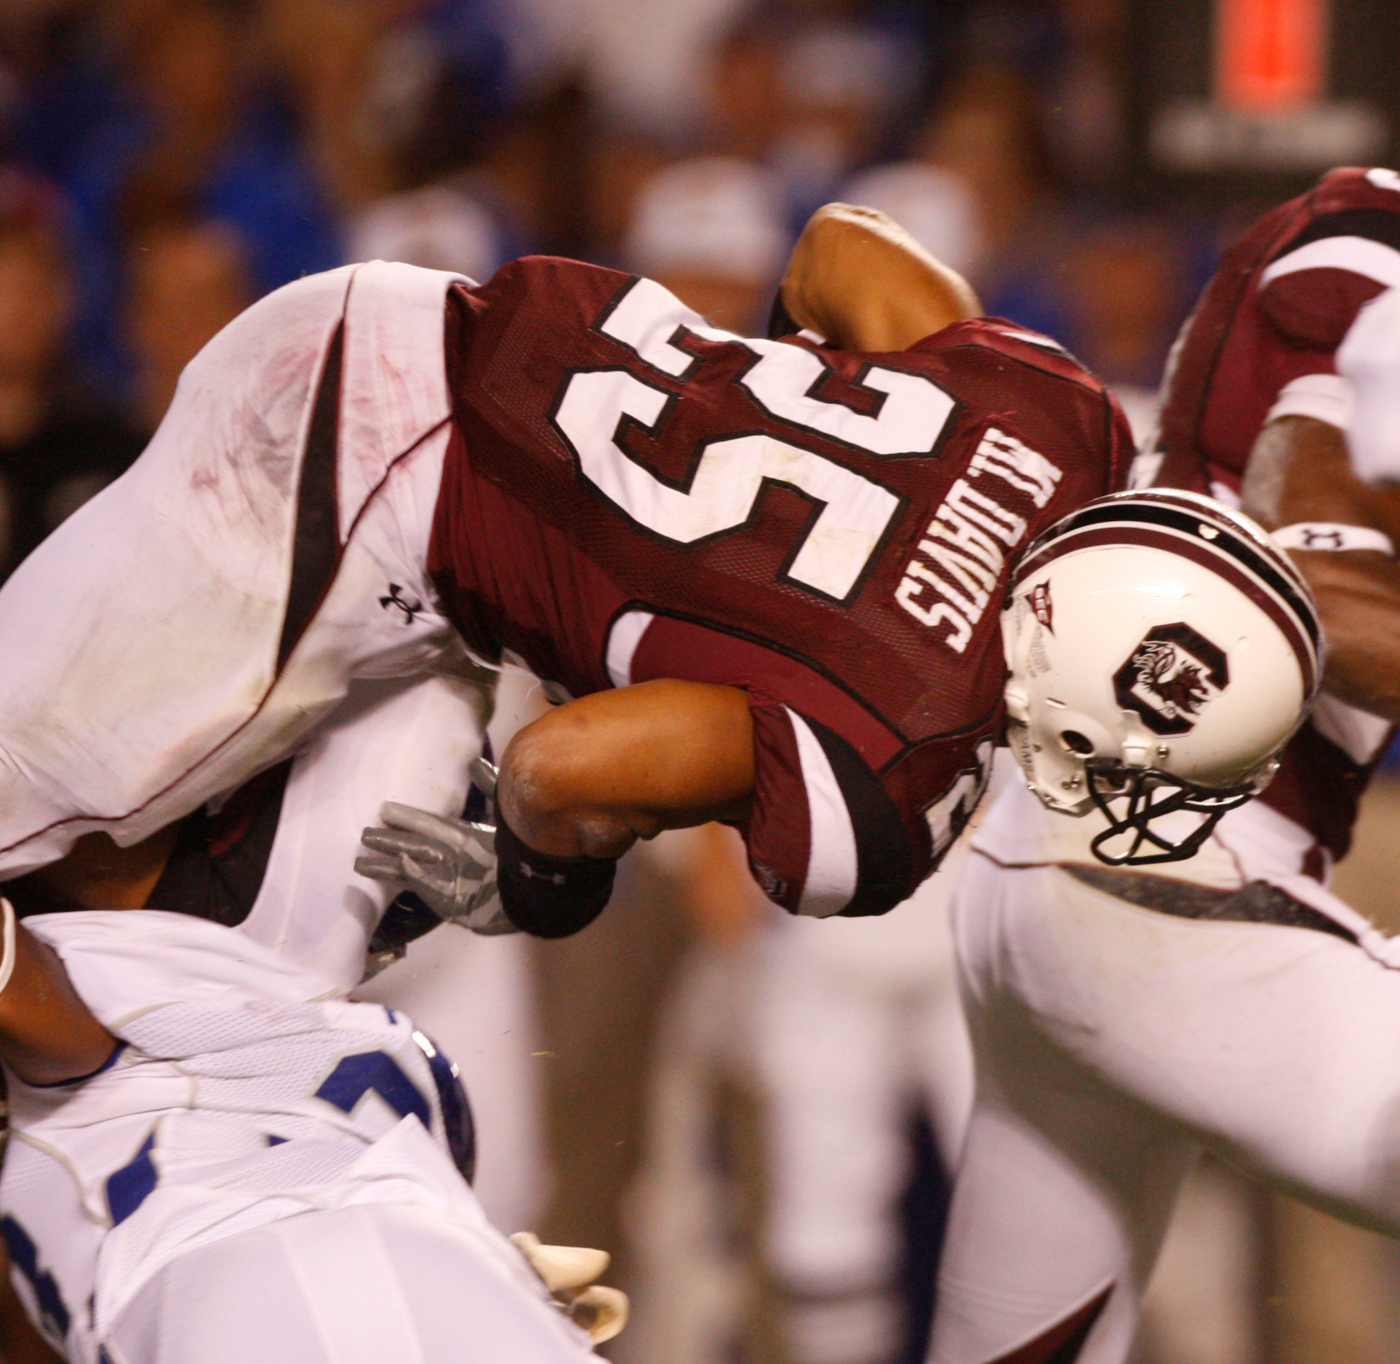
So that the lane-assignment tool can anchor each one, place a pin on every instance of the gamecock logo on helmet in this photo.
(1170, 677)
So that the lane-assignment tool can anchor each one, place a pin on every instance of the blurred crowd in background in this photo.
(166, 162)
(754, 1114)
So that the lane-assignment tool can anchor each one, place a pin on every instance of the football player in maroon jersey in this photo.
(275, 549)
(1123, 1018)
(601, 484)
(770, 572)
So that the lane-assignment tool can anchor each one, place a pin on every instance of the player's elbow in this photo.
(554, 797)
(535, 779)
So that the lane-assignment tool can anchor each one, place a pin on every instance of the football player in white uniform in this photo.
(1124, 1018)
(251, 1129)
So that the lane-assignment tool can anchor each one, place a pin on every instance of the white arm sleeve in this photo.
(1369, 360)
(1332, 536)
(1324, 397)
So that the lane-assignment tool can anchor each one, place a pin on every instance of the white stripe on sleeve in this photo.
(1360, 255)
(1324, 397)
(832, 864)
(1032, 339)
(1367, 359)
(623, 637)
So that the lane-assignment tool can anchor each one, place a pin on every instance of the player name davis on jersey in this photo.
(952, 578)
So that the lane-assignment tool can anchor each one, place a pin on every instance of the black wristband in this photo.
(549, 897)
(780, 322)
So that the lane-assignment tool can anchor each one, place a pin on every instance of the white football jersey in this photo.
(241, 1095)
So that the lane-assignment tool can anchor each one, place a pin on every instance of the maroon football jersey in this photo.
(630, 495)
(1281, 303)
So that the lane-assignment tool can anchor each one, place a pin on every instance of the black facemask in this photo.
(1150, 794)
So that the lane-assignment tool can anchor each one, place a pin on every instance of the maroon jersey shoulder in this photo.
(1276, 310)
(633, 494)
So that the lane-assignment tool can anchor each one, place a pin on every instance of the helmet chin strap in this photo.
(1152, 794)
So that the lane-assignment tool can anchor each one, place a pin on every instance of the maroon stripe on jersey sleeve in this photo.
(1315, 308)
(884, 852)
(698, 653)
(785, 824)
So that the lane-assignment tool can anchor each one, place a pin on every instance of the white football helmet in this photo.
(1161, 651)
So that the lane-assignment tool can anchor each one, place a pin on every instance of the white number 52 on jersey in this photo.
(726, 482)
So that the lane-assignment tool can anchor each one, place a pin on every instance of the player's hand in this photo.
(861, 281)
(450, 864)
(571, 1273)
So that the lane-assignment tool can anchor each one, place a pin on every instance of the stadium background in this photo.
(163, 163)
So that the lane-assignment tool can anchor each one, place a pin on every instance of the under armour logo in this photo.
(556, 878)
(409, 608)
(1322, 539)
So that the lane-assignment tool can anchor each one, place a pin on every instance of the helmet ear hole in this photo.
(1076, 742)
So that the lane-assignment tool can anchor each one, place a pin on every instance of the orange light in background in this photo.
(1270, 55)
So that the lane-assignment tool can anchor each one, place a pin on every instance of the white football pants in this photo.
(374, 1284)
(855, 1021)
(195, 621)
(475, 996)
(1111, 1041)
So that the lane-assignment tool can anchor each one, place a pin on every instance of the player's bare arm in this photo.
(861, 281)
(97, 873)
(1299, 474)
(590, 778)
(597, 774)
(574, 791)
(47, 1034)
